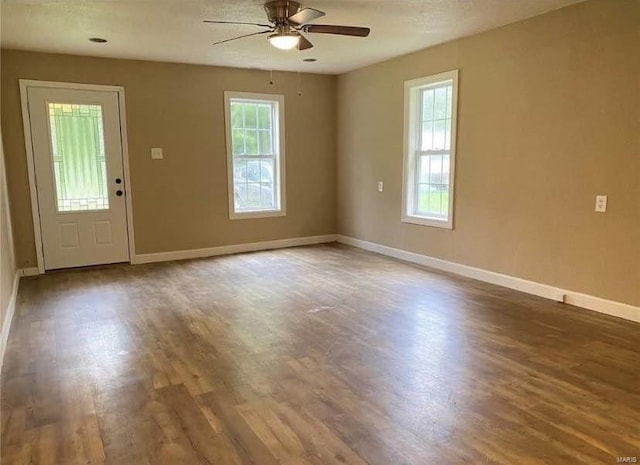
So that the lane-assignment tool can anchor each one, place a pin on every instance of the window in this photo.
(255, 154)
(79, 163)
(429, 158)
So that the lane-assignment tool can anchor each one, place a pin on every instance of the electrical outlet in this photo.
(380, 186)
(156, 154)
(601, 203)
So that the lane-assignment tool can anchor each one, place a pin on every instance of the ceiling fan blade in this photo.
(242, 37)
(303, 43)
(305, 15)
(237, 22)
(341, 30)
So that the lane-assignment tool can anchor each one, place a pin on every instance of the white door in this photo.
(77, 150)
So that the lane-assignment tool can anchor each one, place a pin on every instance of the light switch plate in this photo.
(156, 154)
(601, 203)
(380, 186)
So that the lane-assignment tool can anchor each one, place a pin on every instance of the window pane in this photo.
(267, 183)
(423, 199)
(240, 195)
(266, 147)
(239, 171)
(266, 197)
(447, 134)
(250, 115)
(79, 164)
(264, 116)
(435, 175)
(266, 171)
(427, 136)
(440, 103)
(237, 140)
(438, 201)
(439, 128)
(251, 141)
(236, 115)
(254, 195)
(446, 167)
(423, 171)
(427, 104)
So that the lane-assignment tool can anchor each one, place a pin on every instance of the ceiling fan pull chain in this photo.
(299, 78)
(270, 64)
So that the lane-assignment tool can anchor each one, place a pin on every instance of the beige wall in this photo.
(7, 262)
(181, 202)
(7, 258)
(549, 116)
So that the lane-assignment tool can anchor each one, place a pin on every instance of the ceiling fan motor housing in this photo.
(288, 21)
(279, 10)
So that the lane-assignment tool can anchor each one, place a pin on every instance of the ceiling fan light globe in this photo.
(284, 41)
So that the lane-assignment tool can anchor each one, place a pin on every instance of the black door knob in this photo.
(119, 193)
(118, 181)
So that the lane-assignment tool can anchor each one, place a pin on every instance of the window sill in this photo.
(256, 214)
(426, 221)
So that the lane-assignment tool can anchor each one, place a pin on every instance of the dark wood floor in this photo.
(319, 355)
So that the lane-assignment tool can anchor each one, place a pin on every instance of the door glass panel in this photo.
(79, 164)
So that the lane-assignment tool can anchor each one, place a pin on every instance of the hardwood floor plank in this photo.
(247, 446)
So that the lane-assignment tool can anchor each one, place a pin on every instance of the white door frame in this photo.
(25, 84)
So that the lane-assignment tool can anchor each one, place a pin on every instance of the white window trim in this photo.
(279, 174)
(411, 88)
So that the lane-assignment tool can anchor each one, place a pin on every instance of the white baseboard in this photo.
(231, 249)
(29, 271)
(609, 307)
(8, 316)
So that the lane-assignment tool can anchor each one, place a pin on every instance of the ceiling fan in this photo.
(288, 21)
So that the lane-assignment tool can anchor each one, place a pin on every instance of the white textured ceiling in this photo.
(172, 30)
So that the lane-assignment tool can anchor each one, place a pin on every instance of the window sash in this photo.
(244, 128)
(419, 156)
(237, 160)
